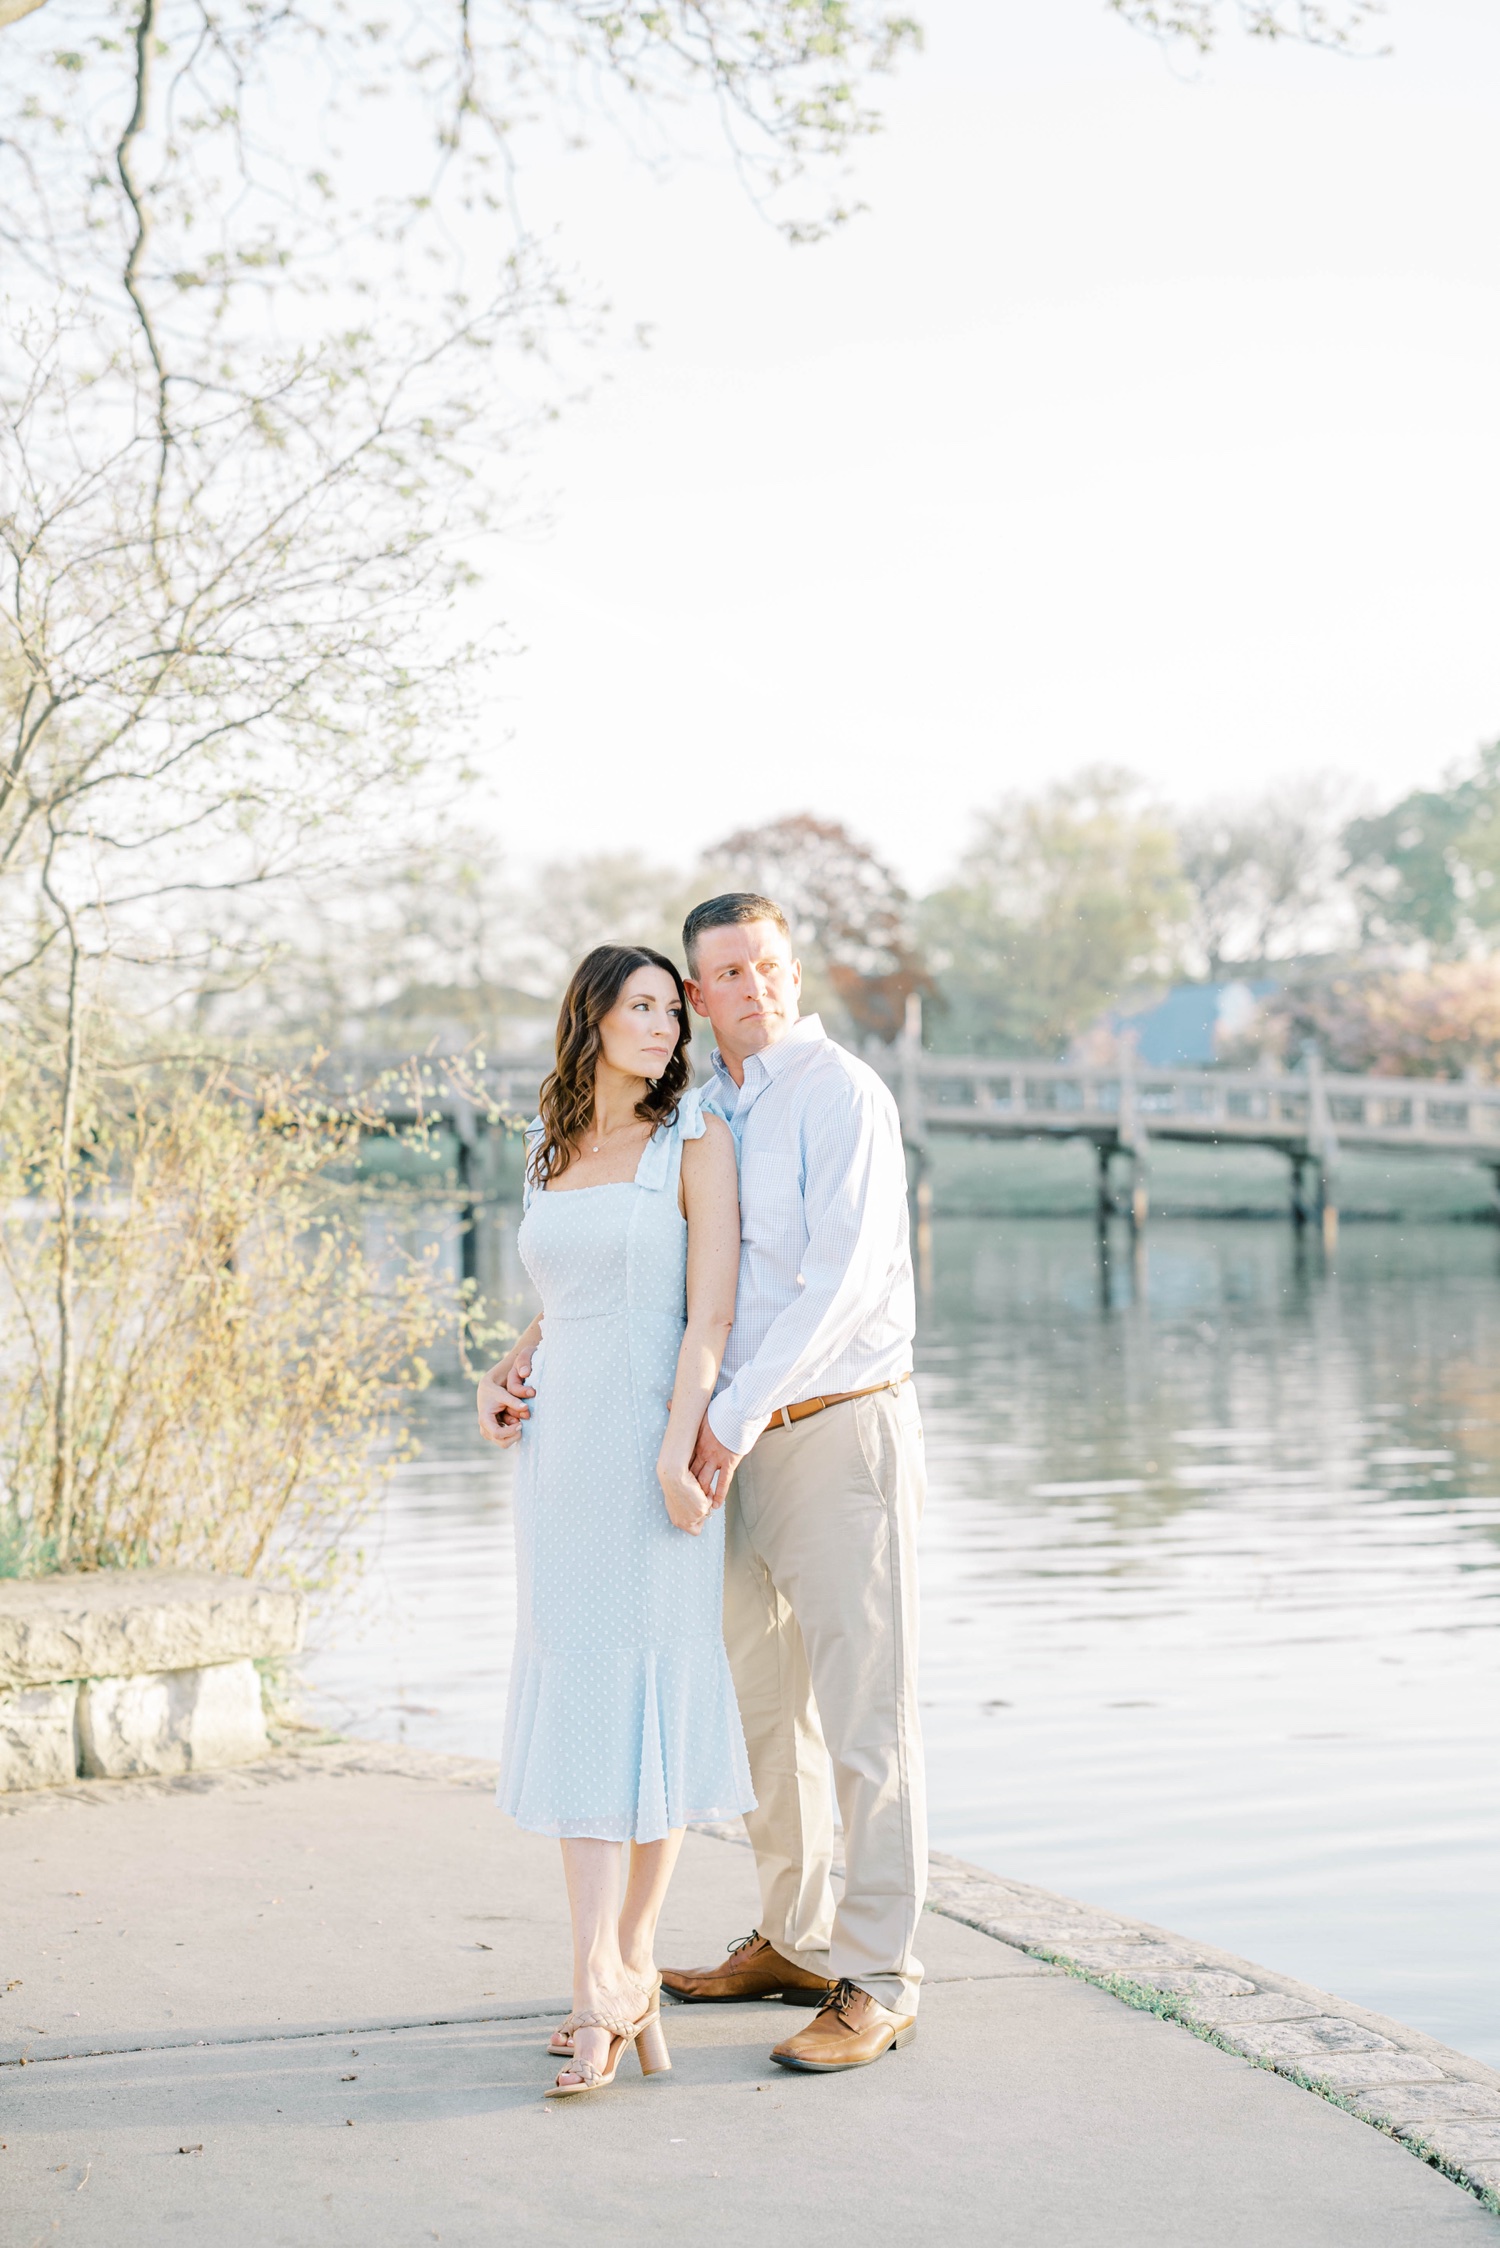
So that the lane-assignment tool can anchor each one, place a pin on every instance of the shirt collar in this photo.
(771, 1060)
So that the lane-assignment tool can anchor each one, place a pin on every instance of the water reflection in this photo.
(1212, 1559)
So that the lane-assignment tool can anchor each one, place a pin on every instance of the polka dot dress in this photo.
(622, 1720)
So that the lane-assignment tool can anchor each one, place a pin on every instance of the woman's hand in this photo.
(502, 1391)
(688, 1504)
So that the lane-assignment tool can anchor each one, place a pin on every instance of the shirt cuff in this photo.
(736, 1435)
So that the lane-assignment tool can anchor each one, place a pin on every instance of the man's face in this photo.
(747, 983)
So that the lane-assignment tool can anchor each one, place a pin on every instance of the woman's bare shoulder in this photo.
(717, 1133)
(714, 1149)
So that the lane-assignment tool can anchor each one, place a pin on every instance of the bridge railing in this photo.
(958, 1093)
(943, 1093)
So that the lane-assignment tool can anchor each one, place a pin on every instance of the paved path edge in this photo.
(1442, 2105)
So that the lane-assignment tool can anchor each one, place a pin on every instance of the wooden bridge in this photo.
(1308, 1114)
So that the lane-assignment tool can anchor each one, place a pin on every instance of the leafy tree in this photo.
(1264, 876)
(605, 897)
(409, 949)
(255, 416)
(218, 1255)
(1428, 870)
(1343, 26)
(251, 425)
(1062, 902)
(1438, 1021)
(850, 915)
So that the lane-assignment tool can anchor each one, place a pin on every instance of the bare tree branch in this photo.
(140, 211)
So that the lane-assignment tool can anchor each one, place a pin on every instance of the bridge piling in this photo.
(1323, 1145)
(466, 1131)
(914, 1133)
(1131, 1136)
(1315, 1196)
(1106, 1205)
(1140, 1183)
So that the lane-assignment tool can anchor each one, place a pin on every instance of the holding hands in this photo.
(503, 1392)
(694, 1488)
(504, 1409)
(688, 1504)
(713, 1463)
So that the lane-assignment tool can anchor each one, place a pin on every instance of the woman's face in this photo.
(639, 1035)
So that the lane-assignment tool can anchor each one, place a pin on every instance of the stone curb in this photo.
(113, 1623)
(1440, 2104)
(113, 1673)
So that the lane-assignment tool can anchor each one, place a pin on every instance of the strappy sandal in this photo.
(643, 2032)
(560, 2044)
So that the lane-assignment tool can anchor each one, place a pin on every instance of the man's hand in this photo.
(712, 1465)
(501, 1394)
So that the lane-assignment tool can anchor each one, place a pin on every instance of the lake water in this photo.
(1212, 1591)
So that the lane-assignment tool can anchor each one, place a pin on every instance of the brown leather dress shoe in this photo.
(754, 1969)
(850, 2030)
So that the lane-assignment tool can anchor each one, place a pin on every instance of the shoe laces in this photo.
(841, 1995)
(743, 1943)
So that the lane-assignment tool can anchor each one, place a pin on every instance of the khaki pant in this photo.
(820, 1619)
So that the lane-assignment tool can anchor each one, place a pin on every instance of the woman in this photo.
(622, 1725)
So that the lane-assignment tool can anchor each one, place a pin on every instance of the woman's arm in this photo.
(711, 1202)
(502, 1389)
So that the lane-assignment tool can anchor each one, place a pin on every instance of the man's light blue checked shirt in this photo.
(826, 1300)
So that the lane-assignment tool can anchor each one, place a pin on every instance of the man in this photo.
(814, 1445)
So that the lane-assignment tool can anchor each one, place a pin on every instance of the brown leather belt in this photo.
(784, 1415)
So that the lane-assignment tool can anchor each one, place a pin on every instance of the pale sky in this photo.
(1144, 418)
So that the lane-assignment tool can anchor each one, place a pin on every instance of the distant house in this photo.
(1190, 1024)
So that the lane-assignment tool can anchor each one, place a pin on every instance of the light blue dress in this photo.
(622, 1720)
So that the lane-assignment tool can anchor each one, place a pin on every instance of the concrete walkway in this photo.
(307, 2004)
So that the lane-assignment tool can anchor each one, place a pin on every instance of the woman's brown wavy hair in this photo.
(567, 1096)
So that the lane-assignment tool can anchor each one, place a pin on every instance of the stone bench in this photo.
(126, 1671)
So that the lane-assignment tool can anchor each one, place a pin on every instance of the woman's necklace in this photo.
(606, 1132)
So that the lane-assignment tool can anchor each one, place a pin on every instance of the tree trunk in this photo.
(64, 1448)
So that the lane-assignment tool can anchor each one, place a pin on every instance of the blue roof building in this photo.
(1187, 1027)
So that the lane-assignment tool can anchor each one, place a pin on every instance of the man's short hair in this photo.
(727, 913)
